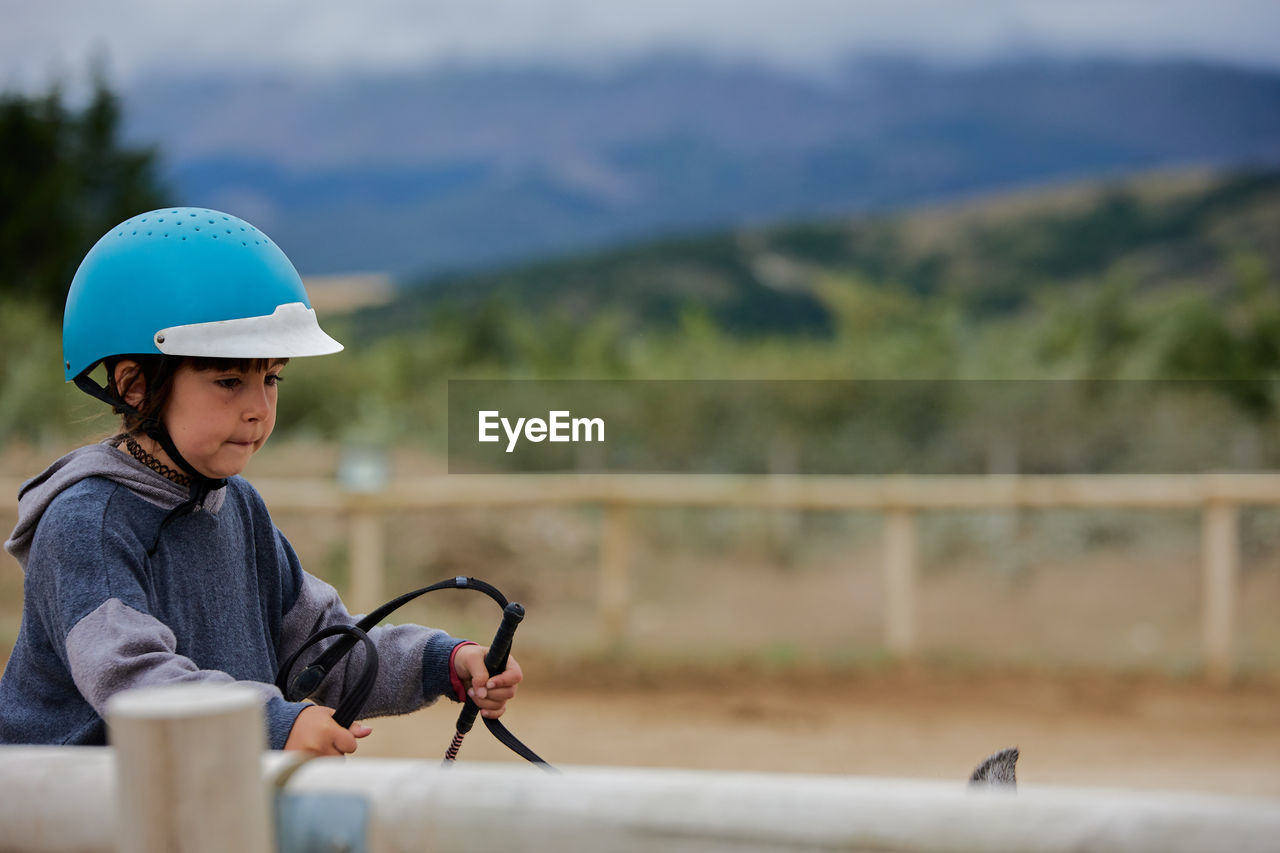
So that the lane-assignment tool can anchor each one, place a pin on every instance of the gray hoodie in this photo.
(222, 598)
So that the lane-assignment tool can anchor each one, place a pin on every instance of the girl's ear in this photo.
(130, 382)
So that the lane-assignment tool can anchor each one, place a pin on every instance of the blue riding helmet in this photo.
(187, 281)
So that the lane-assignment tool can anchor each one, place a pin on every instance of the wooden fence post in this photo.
(615, 561)
(900, 582)
(189, 769)
(367, 563)
(1221, 543)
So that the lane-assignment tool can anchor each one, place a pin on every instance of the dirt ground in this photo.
(1082, 730)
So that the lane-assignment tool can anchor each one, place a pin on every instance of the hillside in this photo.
(986, 258)
(1035, 302)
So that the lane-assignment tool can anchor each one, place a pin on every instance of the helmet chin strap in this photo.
(153, 429)
(201, 485)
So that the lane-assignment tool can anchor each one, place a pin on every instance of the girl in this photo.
(147, 559)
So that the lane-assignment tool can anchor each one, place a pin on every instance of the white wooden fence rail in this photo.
(899, 500)
(191, 781)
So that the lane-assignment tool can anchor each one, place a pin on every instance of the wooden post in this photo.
(365, 592)
(900, 582)
(1221, 544)
(189, 769)
(615, 561)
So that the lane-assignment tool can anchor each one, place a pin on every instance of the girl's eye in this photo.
(229, 382)
(274, 378)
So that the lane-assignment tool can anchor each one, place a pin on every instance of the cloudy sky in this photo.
(42, 39)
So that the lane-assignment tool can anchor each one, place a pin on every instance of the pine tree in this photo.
(66, 177)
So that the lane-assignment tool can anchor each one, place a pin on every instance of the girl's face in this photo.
(219, 418)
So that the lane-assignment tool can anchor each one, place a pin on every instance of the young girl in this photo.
(147, 559)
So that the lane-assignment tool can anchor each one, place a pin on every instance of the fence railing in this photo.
(187, 774)
(899, 500)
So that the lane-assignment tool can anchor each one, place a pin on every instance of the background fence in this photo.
(899, 501)
(1218, 498)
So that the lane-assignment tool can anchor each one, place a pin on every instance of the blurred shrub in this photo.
(35, 403)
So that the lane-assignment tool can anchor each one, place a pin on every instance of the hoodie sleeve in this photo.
(413, 660)
(88, 586)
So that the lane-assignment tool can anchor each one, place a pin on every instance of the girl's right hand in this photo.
(315, 731)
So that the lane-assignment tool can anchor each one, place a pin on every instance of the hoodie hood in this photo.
(94, 460)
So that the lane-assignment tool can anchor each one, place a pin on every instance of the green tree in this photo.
(1233, 341)
(65, 178)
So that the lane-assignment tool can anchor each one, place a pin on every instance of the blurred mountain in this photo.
(458, 168)
(987, 258)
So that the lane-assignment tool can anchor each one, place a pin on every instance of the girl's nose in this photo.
(258, 403)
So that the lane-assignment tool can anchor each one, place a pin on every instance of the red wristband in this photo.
(453, 673)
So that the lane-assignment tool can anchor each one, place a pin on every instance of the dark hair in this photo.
(157, 372)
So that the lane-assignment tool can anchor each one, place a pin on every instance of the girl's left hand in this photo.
(490, 693)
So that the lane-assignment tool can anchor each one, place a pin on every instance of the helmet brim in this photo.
(292, 331)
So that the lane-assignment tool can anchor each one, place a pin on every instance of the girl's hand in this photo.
(315, 731)
(490, 693)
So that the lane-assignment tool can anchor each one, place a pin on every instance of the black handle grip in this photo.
(495, 660)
